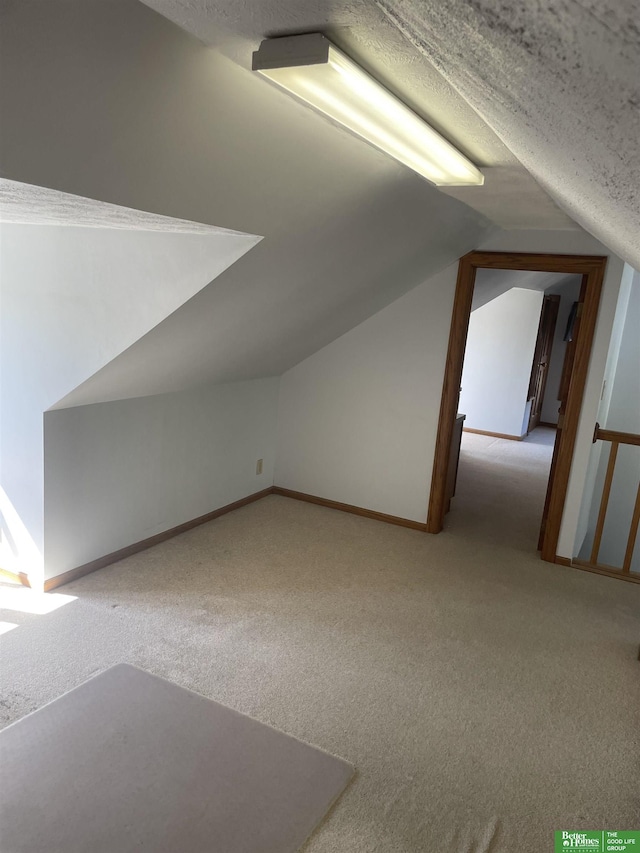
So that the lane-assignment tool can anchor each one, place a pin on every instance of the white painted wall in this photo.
(591, 485)
(134, 111)
(357, 420)
(119, 472)
(72, 299)
(568, 293)
(497, 364)
(197, 156)
(624, 405)
(620, 410)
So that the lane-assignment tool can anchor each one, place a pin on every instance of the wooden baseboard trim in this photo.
(609, 572)
(547, 424)
(355, 510)
(494, 434)
(101, 562)
(14, 577)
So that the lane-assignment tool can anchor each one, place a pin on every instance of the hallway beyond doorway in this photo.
(501, 488)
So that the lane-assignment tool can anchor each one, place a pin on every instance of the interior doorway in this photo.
(509, 399)
(542, 358)
(591, 270)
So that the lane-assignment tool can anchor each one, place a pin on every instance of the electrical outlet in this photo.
(259, 466)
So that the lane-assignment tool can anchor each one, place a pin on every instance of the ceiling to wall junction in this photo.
(111, 101)
(547, 95)
(25, 204)
(490, 283)
(510, 198)
(137, 112)
(551, 86)
(76, 295)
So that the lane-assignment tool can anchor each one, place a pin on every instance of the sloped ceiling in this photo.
(25, 204)
(114, 102)
(75, 293)
(550, 86)
(75, 296)
(510, 197)
(111, 101)
(559, 83)
(489, 284)
(294, 293)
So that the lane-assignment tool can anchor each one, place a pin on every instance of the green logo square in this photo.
(600, 841)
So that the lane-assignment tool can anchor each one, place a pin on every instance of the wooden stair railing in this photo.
(616, 439)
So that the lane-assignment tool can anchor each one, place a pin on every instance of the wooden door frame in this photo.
(592, 267)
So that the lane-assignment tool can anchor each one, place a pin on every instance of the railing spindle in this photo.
(635, 521)
(606, 491)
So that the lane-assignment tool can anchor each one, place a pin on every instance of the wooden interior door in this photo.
(563, 394)
(542, 358)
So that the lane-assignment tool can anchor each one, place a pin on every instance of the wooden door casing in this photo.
(592, 268)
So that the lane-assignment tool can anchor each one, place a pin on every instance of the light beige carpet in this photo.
(487, 698)
(129, 762)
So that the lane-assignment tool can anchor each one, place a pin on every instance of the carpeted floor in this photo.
(485, 698)
(129, 762)
(501, 489)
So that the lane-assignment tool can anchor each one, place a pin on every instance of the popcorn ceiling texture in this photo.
(559, 84)
(510, 198)
(26, 204)
(551, 85)
(236, 27)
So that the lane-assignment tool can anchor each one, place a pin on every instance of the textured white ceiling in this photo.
(559, 83)
(25, 204)
(510, 197)
(553, 86)
(113, 102)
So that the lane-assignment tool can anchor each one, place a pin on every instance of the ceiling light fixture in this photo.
(315, 71)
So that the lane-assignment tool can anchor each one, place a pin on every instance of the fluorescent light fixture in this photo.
(316, 72)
